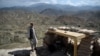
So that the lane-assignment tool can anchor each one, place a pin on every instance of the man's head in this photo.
(31, 24)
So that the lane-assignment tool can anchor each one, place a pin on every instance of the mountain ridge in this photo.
(42, 6)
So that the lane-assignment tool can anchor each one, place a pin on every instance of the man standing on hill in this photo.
(32, 37)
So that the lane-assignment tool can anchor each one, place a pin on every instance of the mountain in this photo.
(52, 12)
(15, 20)
(43, 6)
(70, 20)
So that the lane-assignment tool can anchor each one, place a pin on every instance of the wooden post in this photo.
(75, 47)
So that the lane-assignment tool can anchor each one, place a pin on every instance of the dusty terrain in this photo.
(41, 51)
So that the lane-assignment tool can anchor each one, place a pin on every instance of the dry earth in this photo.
(41, 51)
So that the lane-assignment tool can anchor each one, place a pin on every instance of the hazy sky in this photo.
(10, 3)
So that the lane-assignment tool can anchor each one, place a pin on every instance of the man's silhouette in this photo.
(32, 37)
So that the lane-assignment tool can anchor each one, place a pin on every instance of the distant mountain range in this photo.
(54, 9)
(62, 13)
(58, 10)
(42, 6)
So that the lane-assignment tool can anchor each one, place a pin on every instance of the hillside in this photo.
(15, 20)
(14, 23)
(86, 19)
